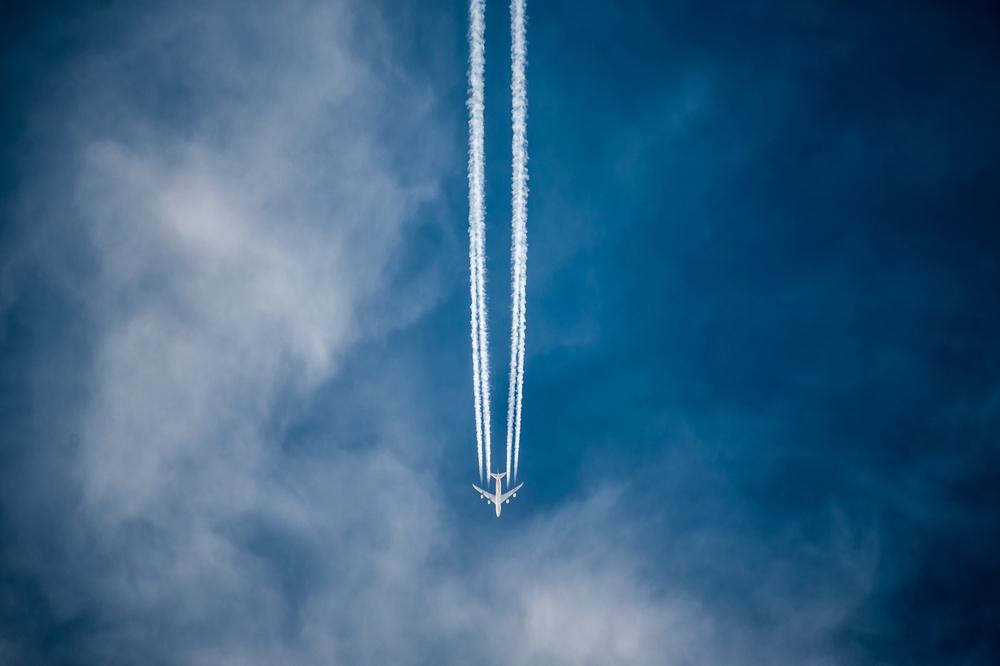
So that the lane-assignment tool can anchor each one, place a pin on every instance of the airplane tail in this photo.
(498, 475)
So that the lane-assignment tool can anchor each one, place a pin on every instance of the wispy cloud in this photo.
(214, 226)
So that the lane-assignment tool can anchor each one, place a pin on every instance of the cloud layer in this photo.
(236, 414)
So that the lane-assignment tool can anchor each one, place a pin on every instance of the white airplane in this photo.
(498, 498)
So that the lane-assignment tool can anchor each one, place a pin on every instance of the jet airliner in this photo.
(498, 498)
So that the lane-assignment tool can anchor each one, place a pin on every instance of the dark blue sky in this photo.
(761, 394)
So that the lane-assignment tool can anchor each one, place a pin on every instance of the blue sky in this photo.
(761, 388)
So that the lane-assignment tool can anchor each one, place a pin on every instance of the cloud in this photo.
(232, 236)
(225, 204)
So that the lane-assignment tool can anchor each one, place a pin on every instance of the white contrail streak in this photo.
(477, 232)
(519, 229)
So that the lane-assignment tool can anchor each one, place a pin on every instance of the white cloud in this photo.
(235, 241)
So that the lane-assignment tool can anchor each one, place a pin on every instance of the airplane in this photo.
(498, 498)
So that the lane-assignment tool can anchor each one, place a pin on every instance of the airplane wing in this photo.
(481, 491)
(510, 492)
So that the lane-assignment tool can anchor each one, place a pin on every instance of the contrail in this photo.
(519, 229)
(477, 232)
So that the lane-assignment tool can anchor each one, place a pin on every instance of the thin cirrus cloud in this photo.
(230, 441)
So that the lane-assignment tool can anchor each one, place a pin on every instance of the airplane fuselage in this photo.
(496, 496)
